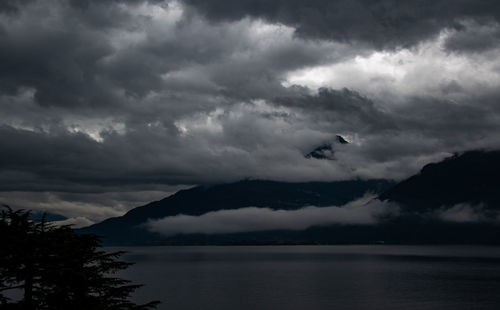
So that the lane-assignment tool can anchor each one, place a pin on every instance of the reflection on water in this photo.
(317, 277)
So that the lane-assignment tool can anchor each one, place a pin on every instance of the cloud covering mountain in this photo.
(361, 211)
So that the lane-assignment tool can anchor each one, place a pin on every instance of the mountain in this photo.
(128, 228)
(49, 217)
(455, 201)
(472, 177)
(326, 151)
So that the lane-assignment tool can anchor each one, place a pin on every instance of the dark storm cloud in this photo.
(63, 161)
(248, 140)
(101, 54)
(353, 111)
(59, 64)
(380, 23)
(69, 59)
(474, 37)
(50, 161)
(12, 6)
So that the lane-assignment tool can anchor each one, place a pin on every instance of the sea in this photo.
(316, 277)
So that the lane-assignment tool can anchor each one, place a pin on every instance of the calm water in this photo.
(318, 277)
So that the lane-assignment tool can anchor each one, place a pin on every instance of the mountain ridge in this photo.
(470, 178)
(248, 193)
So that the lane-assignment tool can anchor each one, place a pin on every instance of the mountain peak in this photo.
(326, 150)
(341, 139)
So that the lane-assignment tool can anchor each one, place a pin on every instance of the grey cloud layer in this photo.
(466, 213)
(362, 211)
(380, 23)
(129, 96)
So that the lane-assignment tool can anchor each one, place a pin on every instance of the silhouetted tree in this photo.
(55, 268)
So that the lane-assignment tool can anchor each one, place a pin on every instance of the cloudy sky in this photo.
(106, 105)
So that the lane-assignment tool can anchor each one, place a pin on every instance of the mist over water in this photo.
(317, 277)
(364, 210)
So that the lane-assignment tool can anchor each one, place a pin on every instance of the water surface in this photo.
(317, 277)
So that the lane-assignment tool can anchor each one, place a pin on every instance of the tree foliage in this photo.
(55, 268)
